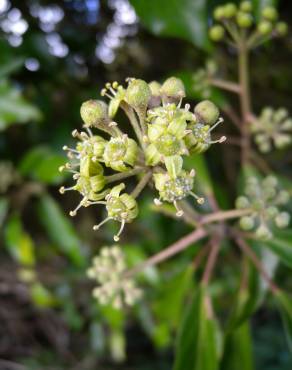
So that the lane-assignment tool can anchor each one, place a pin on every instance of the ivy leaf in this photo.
(14, 108)
(238, 350)
(285, 306)
(281, 246)
(42, 164)
(18, 242)
(185, 19)
(198, 344)
(59, 229)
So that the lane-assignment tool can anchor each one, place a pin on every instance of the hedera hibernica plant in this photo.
(165, 132)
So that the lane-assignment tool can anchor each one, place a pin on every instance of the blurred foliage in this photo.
(48, 318)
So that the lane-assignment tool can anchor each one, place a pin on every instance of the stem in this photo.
(226, 85)
(173, 249)
(123, 175)
(224, 215)
(253, 257)
(244, 96)
(215, 247)
(141, 184)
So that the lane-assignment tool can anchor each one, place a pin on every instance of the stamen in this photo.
(89, 131)
(157, 202)
(117, 236)
(187, 107)
(179, 103)
(179, 212)
(193, 173)
(74, 212)
(112, 124)
(115, 84)
(221, 140)
(220, 120)
(96, 227)
(200, 200)
(63, 189)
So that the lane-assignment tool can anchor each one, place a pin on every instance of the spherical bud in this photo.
(246, 6)
(270, 13)
(281, 28)
(247, 223)
(138, 94)
(270, 181)
(207, 112)
(173, 88)
(216, 33)
(283, 197)
(155, 88)
(242, 202)
(263, 232)
(272, 211)
(265, 28)
(230, 10)
(219, 13)
(282, 220)
(244, 20)
(94, 112)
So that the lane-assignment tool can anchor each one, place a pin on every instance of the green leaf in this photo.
(238, 350)
(14, 108)
(185, 19)
(285, 306)
(198, 344)
(281, 245)
(42, 164)
(18, 242)
(41, 296)
(10, 67)
(59, 229)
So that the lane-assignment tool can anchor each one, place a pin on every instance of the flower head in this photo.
(114, 287)
(272, 128)
(263, 199)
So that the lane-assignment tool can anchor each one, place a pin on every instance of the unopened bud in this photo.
(93, 112)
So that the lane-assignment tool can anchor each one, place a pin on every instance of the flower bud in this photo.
(247, 223)
(138, 94)
(270, 13)
(282, 220)
(120, 152)
(154, 88)
(173, 88)
(244, 20)
(219, 13)
(242, 202)
(207, 112)
(230, 10)
(246, 6)
(94, 112)
(263, 232)
(216, 33)
(281, 28)
(265, 28)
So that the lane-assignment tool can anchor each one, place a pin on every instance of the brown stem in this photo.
(141, 184)
(225, 85)
(214, 252)
(224, 215)
(173, 249)
(253, 257)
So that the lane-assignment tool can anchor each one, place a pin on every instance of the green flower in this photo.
(272, 128)
(172, 190)
(120, 152)
(120, 207)
(263, 199)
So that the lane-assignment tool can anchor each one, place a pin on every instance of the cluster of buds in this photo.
(165, 132)
(114, 287)
(272, 128)
(261, 202)
(201, 79)
(232, 19)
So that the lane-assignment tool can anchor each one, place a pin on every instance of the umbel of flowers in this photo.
(164, 132)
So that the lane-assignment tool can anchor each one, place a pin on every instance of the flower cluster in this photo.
(114, 287)
(262, 200)
(165, 133)
(272, 127)
(201, 79)
(232, 19)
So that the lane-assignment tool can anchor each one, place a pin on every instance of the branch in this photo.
(224, 215)
(225, 85)
(254, 258)
(141, 184)
(172, 250)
